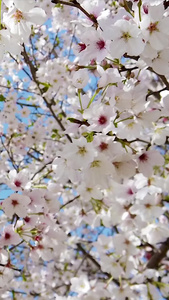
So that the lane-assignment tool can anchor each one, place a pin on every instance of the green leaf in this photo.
(88, 136)
(29, 98)
(24, 277)
(46, 86)
(55, 134)
(2, 98)
(15, 134)
(73, 120)
(8, 83)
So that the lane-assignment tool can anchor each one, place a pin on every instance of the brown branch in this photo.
(155, 93)
(41, 169)
(10, 155)
(158, 256)
(10, 267)
(162, 77)
(90, 257)
(77, 5)
(33, 73)
(70, 201)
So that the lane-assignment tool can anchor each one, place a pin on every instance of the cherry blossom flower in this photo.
(19, 181)
(126, 38)
(147, 160)
(80, 153)
(80, 78)
(97, 171)
(147, 208)
(156, 233)
(16, 204)
(110, 265)
(19, 18)
(126, 243)
(154, 27)
(9, 236)
(94, 46)
(99, 117)
(80, 285)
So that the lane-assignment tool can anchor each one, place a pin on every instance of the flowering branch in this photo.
(49, 105)
(77, 5)
(90, 257)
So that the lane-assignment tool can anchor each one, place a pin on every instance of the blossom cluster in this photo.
(84, 127)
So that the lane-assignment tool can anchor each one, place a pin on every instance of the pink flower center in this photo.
(143, 157)
(103, 146)
(102, 120)
(7, 236)
(17, 183)
(27, 219)
(148, 255)
(18, 15)
(81, 47)
(14, 202)
(153, 27)
(100, 44)
(130, 192)
(145, 8)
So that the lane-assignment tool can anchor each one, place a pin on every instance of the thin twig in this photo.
(91, 258)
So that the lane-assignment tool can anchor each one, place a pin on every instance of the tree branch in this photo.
(77, 5)
(33, 73)
(90, 257)
(158, 256)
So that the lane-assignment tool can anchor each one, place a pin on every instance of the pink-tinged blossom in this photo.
(148, 160)
(9, 236)
(96, 46)
(19, 181)
(95, 8)
(126, 243)
(147, 208)
(154, 27)
(100, 117)
(16, 204)
(37, 201)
